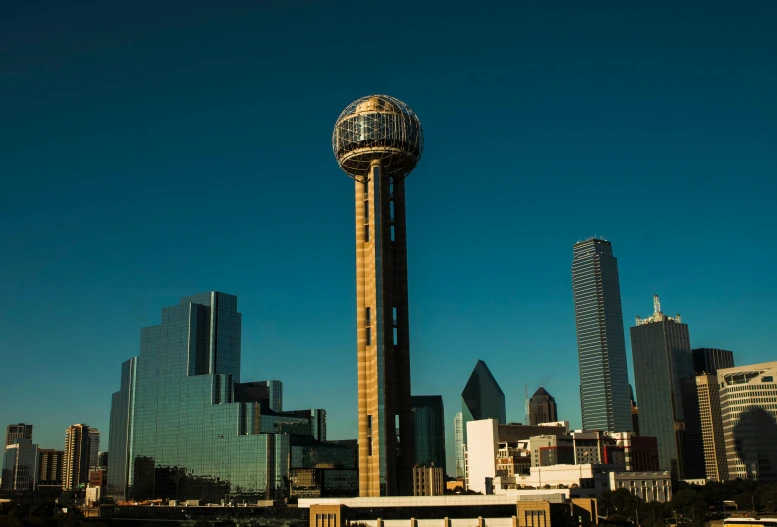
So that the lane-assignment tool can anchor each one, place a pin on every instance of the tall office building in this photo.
(183, 426)
(429, 425)
(710, 360)
(19, 431)
(459, 445)
(94, 448)
(542, 408)
(748, 404)
(601, 347)
(708, 391)
(482, 398)
(378, 141)
(20, 466)
(76, 462)
(666, 389)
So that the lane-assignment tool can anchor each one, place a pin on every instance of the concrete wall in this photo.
(482, 450)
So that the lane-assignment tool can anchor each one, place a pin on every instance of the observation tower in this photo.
(378, 141)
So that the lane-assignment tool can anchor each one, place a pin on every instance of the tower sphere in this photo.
(378, 128)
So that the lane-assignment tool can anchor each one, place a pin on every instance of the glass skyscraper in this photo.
(184, 427)
(710, 360)
(482, 398)
(429, 422)
(458, 440)
(666, 390)
(601, 346)
(542, 408)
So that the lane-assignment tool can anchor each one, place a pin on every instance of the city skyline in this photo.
(98, 253)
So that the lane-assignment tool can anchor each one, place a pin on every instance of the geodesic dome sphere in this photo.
(378, 127)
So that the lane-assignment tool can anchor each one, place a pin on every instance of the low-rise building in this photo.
(649, 486)
(428, 481)
(452, 511)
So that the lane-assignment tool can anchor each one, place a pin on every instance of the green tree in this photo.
(621, 502)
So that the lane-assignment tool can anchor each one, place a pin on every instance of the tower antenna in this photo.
(526, 404)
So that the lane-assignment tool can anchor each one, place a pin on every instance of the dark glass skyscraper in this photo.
(429, 421)
(184, 427)
(482, 398)
(542, 408)
(666, 390)
(710, 360)
(601, 346)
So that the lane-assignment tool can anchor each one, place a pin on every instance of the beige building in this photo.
(452, 511)
(366, 145)
(708, 392)
(76, 460)
(748, 406)
(428, 481)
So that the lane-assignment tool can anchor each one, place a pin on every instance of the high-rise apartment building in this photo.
(18, 431)
(377, 141)
(94, 448)
(459, 445)
(666, 389)
(748, 404)
(429, 426)
(20, 466)
(601, 346)
(77, 452)
(710, 360)
(708, 392)
(542, 408)
(482, 398)
(183, 426)
(50, 467)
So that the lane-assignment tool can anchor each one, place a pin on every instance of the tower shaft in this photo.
(385, 416)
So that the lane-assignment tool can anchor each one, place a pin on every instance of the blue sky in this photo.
(151, 151)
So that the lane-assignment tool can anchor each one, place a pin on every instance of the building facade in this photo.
(50, 467)
(710, 360)
(459, 445)
(184, 427)
(748, 403)
(77, 452)
(20, 466)
(17, 431)
(666, 390)
(542, 408)
(601, 346)
(429, 426)
(482, 452)
(428, 481)
(482, 398)
(708, 392)
(94, 448)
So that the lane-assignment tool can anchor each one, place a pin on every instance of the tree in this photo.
(620, 501)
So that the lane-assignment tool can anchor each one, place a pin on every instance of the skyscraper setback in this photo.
(666, 390)
(183, 426)
(601, 346)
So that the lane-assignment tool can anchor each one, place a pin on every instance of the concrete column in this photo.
(412, 522)
(379, 522)
(515, 521)
(446, 522)
(481, 523)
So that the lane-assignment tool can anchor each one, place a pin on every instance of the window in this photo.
(369, 422)
(367, 315)
(369, 337)
(366, 233)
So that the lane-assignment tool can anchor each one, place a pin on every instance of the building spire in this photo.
(656, 305)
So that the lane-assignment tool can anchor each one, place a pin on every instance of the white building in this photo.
(649, 486)
(482, 451)
(748, 406)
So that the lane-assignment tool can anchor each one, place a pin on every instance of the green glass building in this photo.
(183, 426)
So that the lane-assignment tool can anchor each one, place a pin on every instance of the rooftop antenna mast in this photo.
(526, 404)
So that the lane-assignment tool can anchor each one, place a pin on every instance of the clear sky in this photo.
(152, 150)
